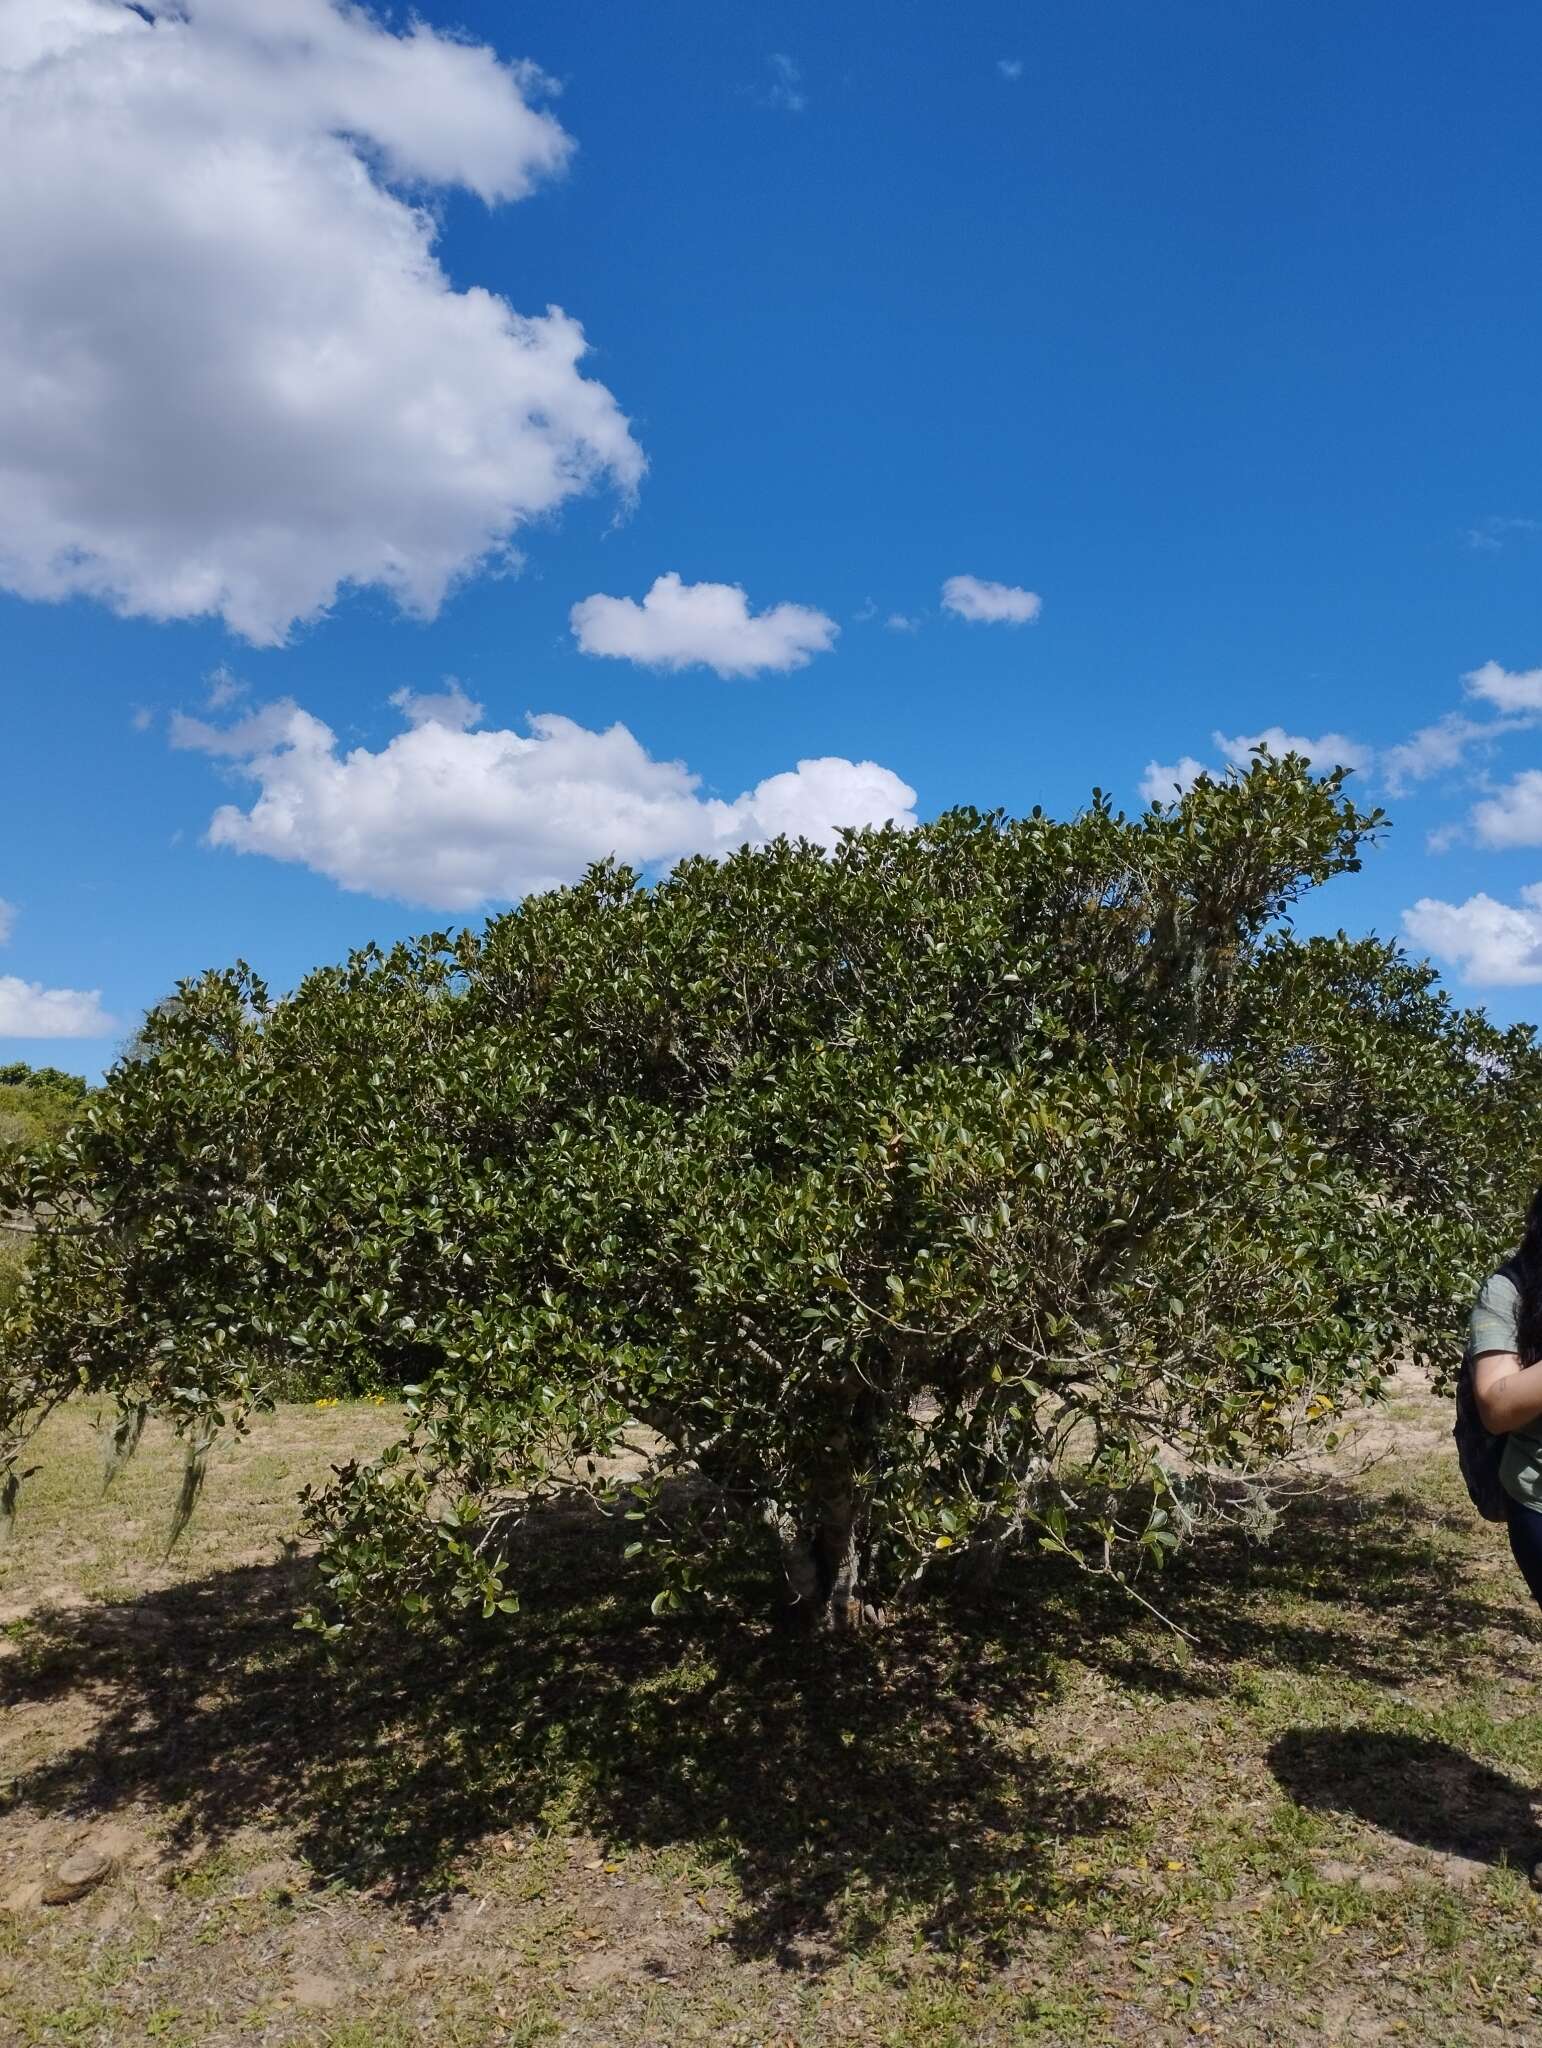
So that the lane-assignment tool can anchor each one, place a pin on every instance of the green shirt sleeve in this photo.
(1491, 1326)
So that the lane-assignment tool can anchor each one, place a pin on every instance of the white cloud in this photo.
(1430, 750)
(1163, 781)
(1433, 749)
(1513, 817)
(1494, 944)
(454, 818)
(1490, 535)
(28, 1010)
(897, 622)
(233, 377)
(1509, 689)
(990, 603)
(1011, 68)
(449, 707)
(1332, 750)
(786, 90)
(685, 625)
(222, 688)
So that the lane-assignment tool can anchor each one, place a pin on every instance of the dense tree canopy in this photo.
(1003, 1179)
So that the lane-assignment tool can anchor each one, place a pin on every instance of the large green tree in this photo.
(1005, 1179)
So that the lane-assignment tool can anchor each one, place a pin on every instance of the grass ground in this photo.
(1048, 1822)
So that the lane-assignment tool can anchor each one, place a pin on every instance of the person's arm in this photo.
(1508, 1394)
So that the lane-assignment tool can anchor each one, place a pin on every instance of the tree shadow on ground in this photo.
(1375, 1588)
(844, 1782)
(1414, 1787)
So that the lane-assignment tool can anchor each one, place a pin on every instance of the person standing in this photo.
(1504, 1346)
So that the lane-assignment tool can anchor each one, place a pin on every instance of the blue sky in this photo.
(1213, 327)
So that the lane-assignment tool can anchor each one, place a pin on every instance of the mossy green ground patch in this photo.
(1046, 1820)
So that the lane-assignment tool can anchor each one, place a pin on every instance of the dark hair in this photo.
(1527, 1267)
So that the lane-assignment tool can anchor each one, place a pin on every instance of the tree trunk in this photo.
(838, 1560)
(825, 1567)
(826, 1544)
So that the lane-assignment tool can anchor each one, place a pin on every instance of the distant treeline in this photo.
(19, 1075)
(36, 1103)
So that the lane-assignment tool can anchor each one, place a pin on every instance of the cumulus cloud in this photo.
(1437, 748)
(993, 604)
(233, 376)
(28, 1010)
(222, 688)
(1011, 68)
(453, 818)
(448, 707)
(1513, 815)
(707, 625)
(1332, 750)
(1508, 689)
(1496, 945)
(1162, 779)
